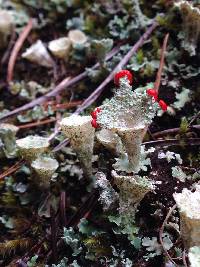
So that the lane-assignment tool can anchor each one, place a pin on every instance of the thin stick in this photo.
(173, 142)
(53, 235)
(184, 258)
(63, 208)
(92, 98)
(12, 169)
(159, 73)
(161, 234)
(66, 83)
(37, 123)
(172, 131)
(194, 118)
(18, 45)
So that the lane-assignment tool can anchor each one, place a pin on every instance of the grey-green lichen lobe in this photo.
(108, 196)
(127, 108)
(32, 146)
(132, 191)
(8, 140)
(44, 167)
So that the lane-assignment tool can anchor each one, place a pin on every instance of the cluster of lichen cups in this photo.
(124, 120)
(59, 48)
(34, 149)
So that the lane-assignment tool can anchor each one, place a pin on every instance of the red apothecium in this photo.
(122, 74)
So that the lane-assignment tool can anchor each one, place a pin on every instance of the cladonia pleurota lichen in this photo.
(60, 47)
(37, 53)
(108, 196)
(128, 114)
(109, 140)
(189, 206)
(77, 37)
(132, 191)
(32, 146)
(44, 167)
(81, 135)
(191, 20)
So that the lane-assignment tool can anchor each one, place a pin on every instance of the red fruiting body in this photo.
(94, 113)
(94, 123)
(153, 93)
(122, 74)
(97, 109)
(163, 105)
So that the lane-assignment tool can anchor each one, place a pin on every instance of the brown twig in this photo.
(194, 118)
(53, 235)
(172, 131)
(12, 169)
(161, 234)
(18, 45)
(35, 124)
(63, 208)
(173, 142)
(159, 73)
(184, 258)
(66, 83)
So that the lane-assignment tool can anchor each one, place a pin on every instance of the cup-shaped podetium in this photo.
(32, 146)
(44, 167)
(60, 48)
(81, 135)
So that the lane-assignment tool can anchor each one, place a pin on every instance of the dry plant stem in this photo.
(173, 142)
(184, 258)
(12, 169)
(161, 233)
(159, 73)
(18, 45)
(172, 131)
(58, 89)
(120, 65)
(37, 123)
(53, 235)
(194, 118)
(63, 208)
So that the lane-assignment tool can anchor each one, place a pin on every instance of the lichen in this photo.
(110, 140)
(32, 146)
(191, 21)
(132, 191)
(81, 135)
(189, 205)
(60, 47)
(194, 256)
(108, 196)
(128, 113)
(45, 168)
(37, 53)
